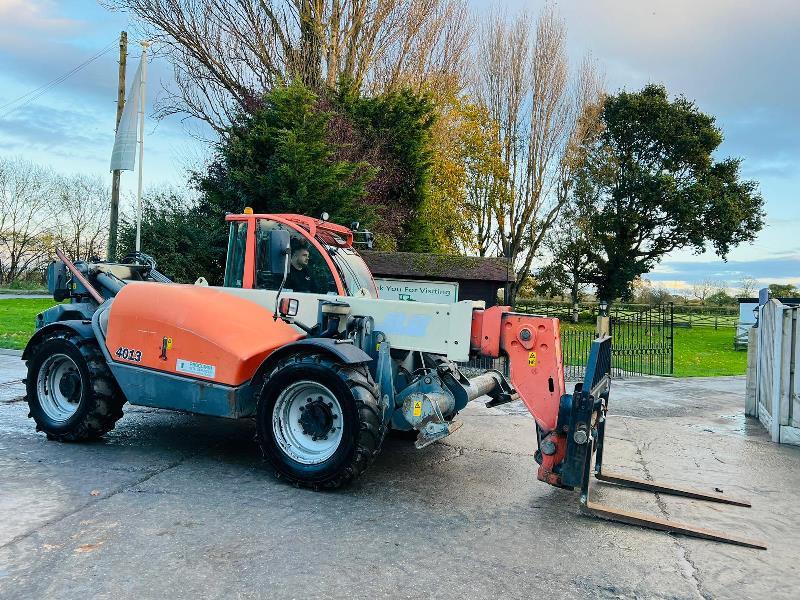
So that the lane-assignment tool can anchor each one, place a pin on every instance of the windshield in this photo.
(354, 271)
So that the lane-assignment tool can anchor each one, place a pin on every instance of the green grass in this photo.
(707, 352)
(699, 352)
(17, 319)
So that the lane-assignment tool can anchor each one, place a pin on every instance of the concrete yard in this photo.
(177, 506)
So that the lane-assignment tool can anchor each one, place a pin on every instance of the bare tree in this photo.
(225, 53)
(748, 287)
(705, 288)
(25, 224)
(543, 115)
(80, 209)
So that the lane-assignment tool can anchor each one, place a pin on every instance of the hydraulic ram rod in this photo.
(482, 385)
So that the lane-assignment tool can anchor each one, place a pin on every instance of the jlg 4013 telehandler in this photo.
(326, 368)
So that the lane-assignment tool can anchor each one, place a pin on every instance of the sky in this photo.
(737, 59)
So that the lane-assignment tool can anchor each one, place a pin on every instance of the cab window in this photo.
(237, 245)
(308, 271)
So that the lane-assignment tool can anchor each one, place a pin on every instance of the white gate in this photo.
(772, 384)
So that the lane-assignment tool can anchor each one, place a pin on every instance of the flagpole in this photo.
(142, 88)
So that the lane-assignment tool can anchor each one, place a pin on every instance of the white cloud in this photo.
(33, 14)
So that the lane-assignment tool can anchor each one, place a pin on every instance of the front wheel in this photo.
(319, 421)
(70, 391)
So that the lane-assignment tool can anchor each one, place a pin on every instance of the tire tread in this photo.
(106, 397)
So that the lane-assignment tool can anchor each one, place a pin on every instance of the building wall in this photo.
(479, 290)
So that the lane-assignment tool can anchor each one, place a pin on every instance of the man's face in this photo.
(300, 258)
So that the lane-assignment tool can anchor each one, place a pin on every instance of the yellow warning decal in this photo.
(169, 343)
(531, 359)
(417, 408)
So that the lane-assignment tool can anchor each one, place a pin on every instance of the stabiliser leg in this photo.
(583, 418)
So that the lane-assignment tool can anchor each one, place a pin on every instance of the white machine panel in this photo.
(434, 328)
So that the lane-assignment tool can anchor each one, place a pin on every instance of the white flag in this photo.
(123, 156)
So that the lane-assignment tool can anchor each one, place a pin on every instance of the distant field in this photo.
(699, 352)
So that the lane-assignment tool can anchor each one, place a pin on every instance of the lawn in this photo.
(707, 352)
(699, 352)
(17, 319)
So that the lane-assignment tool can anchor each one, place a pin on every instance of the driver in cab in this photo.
(299, 278)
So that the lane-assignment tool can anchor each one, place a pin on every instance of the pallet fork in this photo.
(582, 416)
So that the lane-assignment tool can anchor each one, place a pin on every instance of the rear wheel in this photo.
(319, 421)
(70, 391)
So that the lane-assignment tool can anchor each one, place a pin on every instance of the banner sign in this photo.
(437, 292)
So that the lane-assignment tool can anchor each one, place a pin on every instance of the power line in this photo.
(37, 93)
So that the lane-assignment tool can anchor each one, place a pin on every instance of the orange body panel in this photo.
(485, 334)
(533, 347)
(193, 331)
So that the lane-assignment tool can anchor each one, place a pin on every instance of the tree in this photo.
(570, 265)
(526, 88)
(782, 290)
(226, 54)
(395, 130)
(720, 298)
(464, 159)
(277, 159)
(704, 289)
(80, 216)
(186, 240)
(25, 217)
(658, 188)
(646, 293)
(748, 287)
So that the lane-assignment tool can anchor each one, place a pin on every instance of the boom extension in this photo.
(571, 427)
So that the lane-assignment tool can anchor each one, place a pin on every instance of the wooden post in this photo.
(751, 389)
(115, 177)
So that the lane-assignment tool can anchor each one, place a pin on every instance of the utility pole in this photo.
(112, 230)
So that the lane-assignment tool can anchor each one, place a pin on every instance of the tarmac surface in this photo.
(177, 506)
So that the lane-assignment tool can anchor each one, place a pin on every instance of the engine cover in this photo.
(193, 331)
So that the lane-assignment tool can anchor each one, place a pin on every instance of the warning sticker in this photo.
(417, 408)
(531, 359)
(195, 368)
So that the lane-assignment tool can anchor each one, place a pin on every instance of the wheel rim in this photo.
(59, 387)
(307, 422)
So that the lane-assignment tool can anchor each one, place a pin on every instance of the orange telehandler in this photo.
(323, 365)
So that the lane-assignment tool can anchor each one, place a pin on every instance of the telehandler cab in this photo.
(325, 372)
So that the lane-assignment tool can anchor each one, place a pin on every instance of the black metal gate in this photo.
(643, 340)
(642, 344)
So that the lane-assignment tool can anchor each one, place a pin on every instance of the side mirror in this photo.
(279, 248)
(288, 307)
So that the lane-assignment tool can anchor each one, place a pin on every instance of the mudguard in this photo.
(347, 353)
(80, 328)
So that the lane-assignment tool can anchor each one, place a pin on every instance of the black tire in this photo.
(99, 399)
(363, 428)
